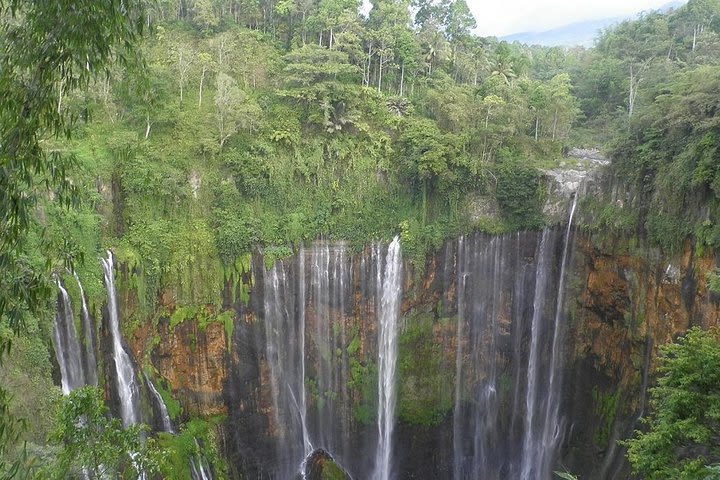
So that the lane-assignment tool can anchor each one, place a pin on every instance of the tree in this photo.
(318, 76)
(233, 109)
(388, 20)
(683, 436)
(95, 444)
(428, 157)
(183, 56)
(205, 60)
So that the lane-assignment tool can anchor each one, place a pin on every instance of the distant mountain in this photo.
(579, 33)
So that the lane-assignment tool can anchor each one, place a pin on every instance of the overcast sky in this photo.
(503, 17)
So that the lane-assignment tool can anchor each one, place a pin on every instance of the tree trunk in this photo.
(402, 78)
(60, 95)
(633, 92)
(148, 124)
(380, 69)
(366, 80)
(202, 79)
(331, 38)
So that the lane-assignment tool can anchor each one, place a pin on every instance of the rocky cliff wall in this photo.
(467, 326)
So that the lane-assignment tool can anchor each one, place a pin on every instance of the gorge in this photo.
(513, 356)
(298, 241)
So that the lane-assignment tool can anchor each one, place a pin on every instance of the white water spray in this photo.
(387, 314)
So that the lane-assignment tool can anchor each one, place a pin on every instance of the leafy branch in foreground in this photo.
(682, 440)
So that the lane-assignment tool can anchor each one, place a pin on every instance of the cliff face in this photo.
(478, 350)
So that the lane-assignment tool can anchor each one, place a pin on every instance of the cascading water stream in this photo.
(88, 330)
(552, 425)
(457, 419)
(531, 452)
(388, 313)
(307, 444)
(543, 427)
(125, 378)
(305, 349)
(67, 347)
(162, 407)
(199, 469)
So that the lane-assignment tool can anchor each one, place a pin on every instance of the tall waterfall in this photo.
(125, 380)
(313, 308)
(305, 340)
(88, 333)
(67, 346)
(509, 359)
(388, 312)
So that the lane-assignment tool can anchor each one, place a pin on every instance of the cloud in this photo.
(513, 16)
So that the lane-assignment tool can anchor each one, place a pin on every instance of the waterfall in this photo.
(508, 358)
(199, 470)
(532, 450)
(553, 427)
(88, 331)
(283, 351)
(162, 408)
(307, 445)
(125, 379)
(457, 419)
(388, 312)
(544, 428)
(67, 347)
(308, 304)
(490, 285)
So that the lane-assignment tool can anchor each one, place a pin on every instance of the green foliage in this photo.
(566, 475)
(681, 438)
(12, 464)
(272, 254)
(425, 389)
(605, 406)
(667, 231)
(519, 194)
(46, 49)
(27, 373)
(203, 315)
(196, 440)
(713, 281)
(609, 218)
(92, 442)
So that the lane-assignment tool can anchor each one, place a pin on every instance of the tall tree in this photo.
(233, 109)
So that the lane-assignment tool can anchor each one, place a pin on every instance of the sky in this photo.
(503, 17)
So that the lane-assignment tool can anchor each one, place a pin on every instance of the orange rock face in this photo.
(193, 360)
(627, 298)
